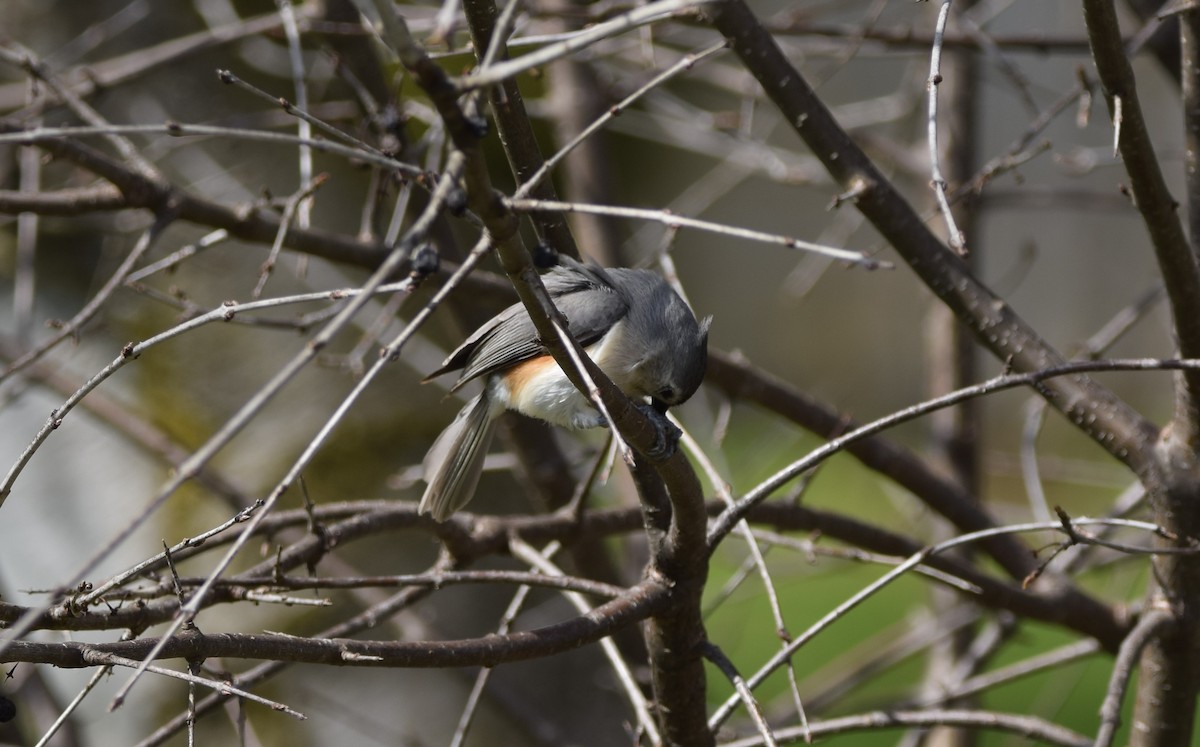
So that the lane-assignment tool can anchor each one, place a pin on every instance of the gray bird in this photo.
(631, 323)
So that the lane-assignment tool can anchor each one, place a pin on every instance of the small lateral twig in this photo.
(723, 663)
(291, 212)
(105, 658)
(937, 180)
(300, 112)
(72, 328)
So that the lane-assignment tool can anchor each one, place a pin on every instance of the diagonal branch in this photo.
(1112, 423)
(514, 126)
(669, 488)
(945, 496)
(1180, 271)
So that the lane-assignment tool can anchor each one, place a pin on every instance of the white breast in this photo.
(549, 395)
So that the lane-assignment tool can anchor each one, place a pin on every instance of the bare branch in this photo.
(1111, 423)
(647, 598)
(674, 222)
(937, 180)
(1029, 727)
(1131, 649)
(866, 592)
(718, 657)
(1153, 199)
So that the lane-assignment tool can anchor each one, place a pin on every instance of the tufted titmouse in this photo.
(630, 322)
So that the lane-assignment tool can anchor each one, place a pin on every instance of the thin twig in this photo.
(686, 63)
(722, 662)
(525, 552)
(291, 31)
(436, 580)
(938, 182)
(1049, 660)
(673, 221)
(300, 111)
(863, 594)
(1131, 649)
(650, 13)
(515, 605)
(1029, 727)
(293, 209)
(810, 549)
(207, 241)
(72, 327)
(189, 610)
(93, 656)
(728, 519)
(180, 129)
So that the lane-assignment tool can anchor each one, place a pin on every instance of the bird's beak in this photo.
(659, 406)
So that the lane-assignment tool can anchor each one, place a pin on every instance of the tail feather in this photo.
(455, 461)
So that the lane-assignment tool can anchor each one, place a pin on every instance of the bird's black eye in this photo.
(666, 394)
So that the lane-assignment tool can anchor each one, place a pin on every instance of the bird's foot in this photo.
(666, 435)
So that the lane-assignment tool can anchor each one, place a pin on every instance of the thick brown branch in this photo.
(676, 637)
(1114, 425)
(141, 191)
(641, 601)
(1180, 271)
(1169, 670)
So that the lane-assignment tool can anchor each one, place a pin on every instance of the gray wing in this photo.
(583, 293)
